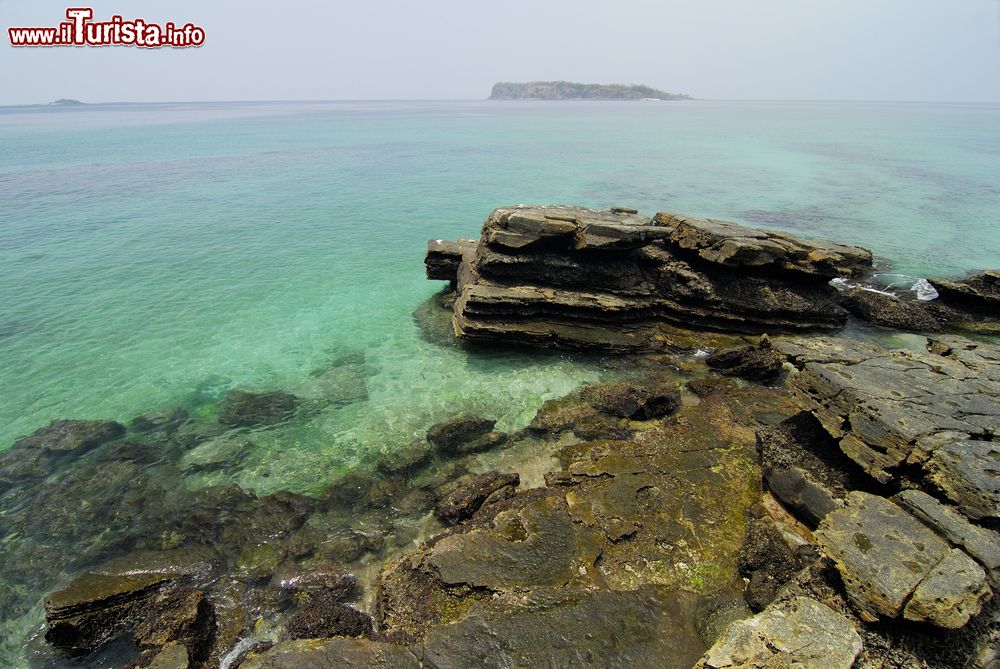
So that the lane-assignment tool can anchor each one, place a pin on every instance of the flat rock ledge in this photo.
(798, 632)
(616, 280)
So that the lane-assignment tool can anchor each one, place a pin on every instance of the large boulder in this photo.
(734, 245)
(615, 280)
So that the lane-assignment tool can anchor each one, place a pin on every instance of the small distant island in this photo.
(567, 90)
(66, 102)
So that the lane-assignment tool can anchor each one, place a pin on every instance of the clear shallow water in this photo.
(158, 255)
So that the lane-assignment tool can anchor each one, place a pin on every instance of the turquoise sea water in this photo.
(152, 251)
(159, 255)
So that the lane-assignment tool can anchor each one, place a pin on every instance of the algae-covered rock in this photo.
(39, 453)
(538, 545)
(258, 561)
(649, 627)
(333, 654)
(322, 616)
(799, 632)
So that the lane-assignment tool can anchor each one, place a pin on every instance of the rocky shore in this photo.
(746, 494)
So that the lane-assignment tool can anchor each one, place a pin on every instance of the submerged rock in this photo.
(798, 632)
(465, 434)
(241, 408)
(39, 453)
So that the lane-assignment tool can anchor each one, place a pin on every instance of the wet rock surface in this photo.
(334, 653)
(472, 493)
(619, 281)
(758, 363)
(890, 311)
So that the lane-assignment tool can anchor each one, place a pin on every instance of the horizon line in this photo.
(343, 100)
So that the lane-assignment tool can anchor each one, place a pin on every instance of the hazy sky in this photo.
(456, 49)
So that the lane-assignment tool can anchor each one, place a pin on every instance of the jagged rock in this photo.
(804, 468)
(767, 561)
(154, 608)
(953, 592)
(978, 542)
(323, 616)
(578, 278)
(470, 495)
(968, 471)
(759, 363)
(242, 408)
(333, 654)
(452, 435)
(884, 555)
(972, 301)
(889, 311)
(890, 408)
(798, 632)
(443, 258)
(634, 402)
(736, 245)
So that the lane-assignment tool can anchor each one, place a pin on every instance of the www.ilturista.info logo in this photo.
(81, 30)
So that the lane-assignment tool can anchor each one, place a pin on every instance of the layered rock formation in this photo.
(616, 280)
